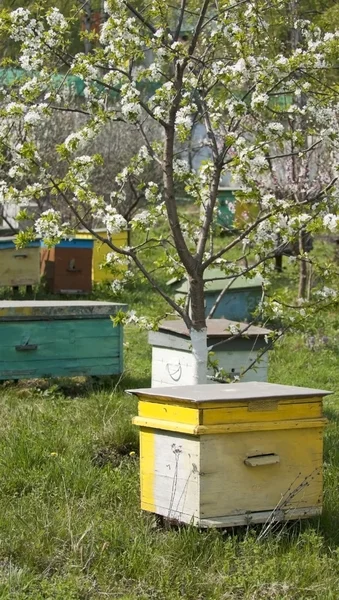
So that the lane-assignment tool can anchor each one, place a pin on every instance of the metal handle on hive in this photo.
(174, 371)
(26, 347)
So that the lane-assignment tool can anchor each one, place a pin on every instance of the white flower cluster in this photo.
(35, 40)
(49, 225)
(35, 114)
(130, 106)
(181, 168)
(152, 193)
(112, 220)
(327, 292)
(234, 329)
(132, 318)
(184, 119)
(148, 218)
(235, 107)
(56, 19)
(330, 221)
(78, 139)
(259, 100)
(120, 37)
(161, 101)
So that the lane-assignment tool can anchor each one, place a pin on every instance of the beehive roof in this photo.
(218, 328)
(254, 390)
(30, 309)
(216, 280)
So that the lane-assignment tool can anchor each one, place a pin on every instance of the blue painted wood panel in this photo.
(62, 347)
(9, 244)
(74, 243)
(235, 305)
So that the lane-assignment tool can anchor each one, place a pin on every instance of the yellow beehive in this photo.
(19, 266)
(227, 455)
(100, 250)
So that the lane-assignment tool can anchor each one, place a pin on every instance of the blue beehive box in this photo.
(239, 301)
(53, 338)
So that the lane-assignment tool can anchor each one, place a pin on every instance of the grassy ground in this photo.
(70, 524)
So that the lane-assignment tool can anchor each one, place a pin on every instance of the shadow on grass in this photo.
(75, 387)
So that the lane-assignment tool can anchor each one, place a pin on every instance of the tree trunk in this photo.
(303, 268)
(198, 331)
(87, 23)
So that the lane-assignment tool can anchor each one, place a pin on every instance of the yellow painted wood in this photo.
(147, 466)
(278, 411)
(169, 412)
(19, 266)
(230, 487)
(227, 427)
(100, 250)
(229, 403)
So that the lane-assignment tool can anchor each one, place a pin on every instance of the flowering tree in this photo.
(117, 143)
(226, 76)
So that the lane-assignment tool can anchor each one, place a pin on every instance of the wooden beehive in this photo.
(239, 301)
(59, 338)
(101, 273)
(67, 268)
(172, 360)
(19, 266)
(227, 455)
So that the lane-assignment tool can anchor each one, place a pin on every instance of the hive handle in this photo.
(26, 347)
(262, 460)
(21, 255)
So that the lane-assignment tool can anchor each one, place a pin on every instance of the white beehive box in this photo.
(172, 360)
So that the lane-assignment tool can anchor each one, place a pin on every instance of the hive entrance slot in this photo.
(262, 460)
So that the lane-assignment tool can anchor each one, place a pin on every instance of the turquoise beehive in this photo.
(239, 301)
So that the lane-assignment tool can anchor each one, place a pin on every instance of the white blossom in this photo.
(330, 221)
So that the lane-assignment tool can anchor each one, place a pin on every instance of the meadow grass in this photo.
(70, 523)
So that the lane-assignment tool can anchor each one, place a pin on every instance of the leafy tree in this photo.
(227, 77)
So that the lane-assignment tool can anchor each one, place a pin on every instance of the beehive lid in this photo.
(75, 242)
(17, 310)
(205, 393)
(216, 280)
(9, 242)
(216, 328)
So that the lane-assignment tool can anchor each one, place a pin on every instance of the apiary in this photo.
(67, 267)
(238, 303)
(100, 272)
(19, 266)
(240, 355)
(227, 455)
(59, 338)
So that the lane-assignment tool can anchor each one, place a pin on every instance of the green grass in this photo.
(70, 523)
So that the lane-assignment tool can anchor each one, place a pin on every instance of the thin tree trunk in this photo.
(303, 268)
(198, 331)
(87, 21)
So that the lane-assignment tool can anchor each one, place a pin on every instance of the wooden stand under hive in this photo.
(19, 266)
(172, 359)
(58, 338)
(67, 268)
(227, 455)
